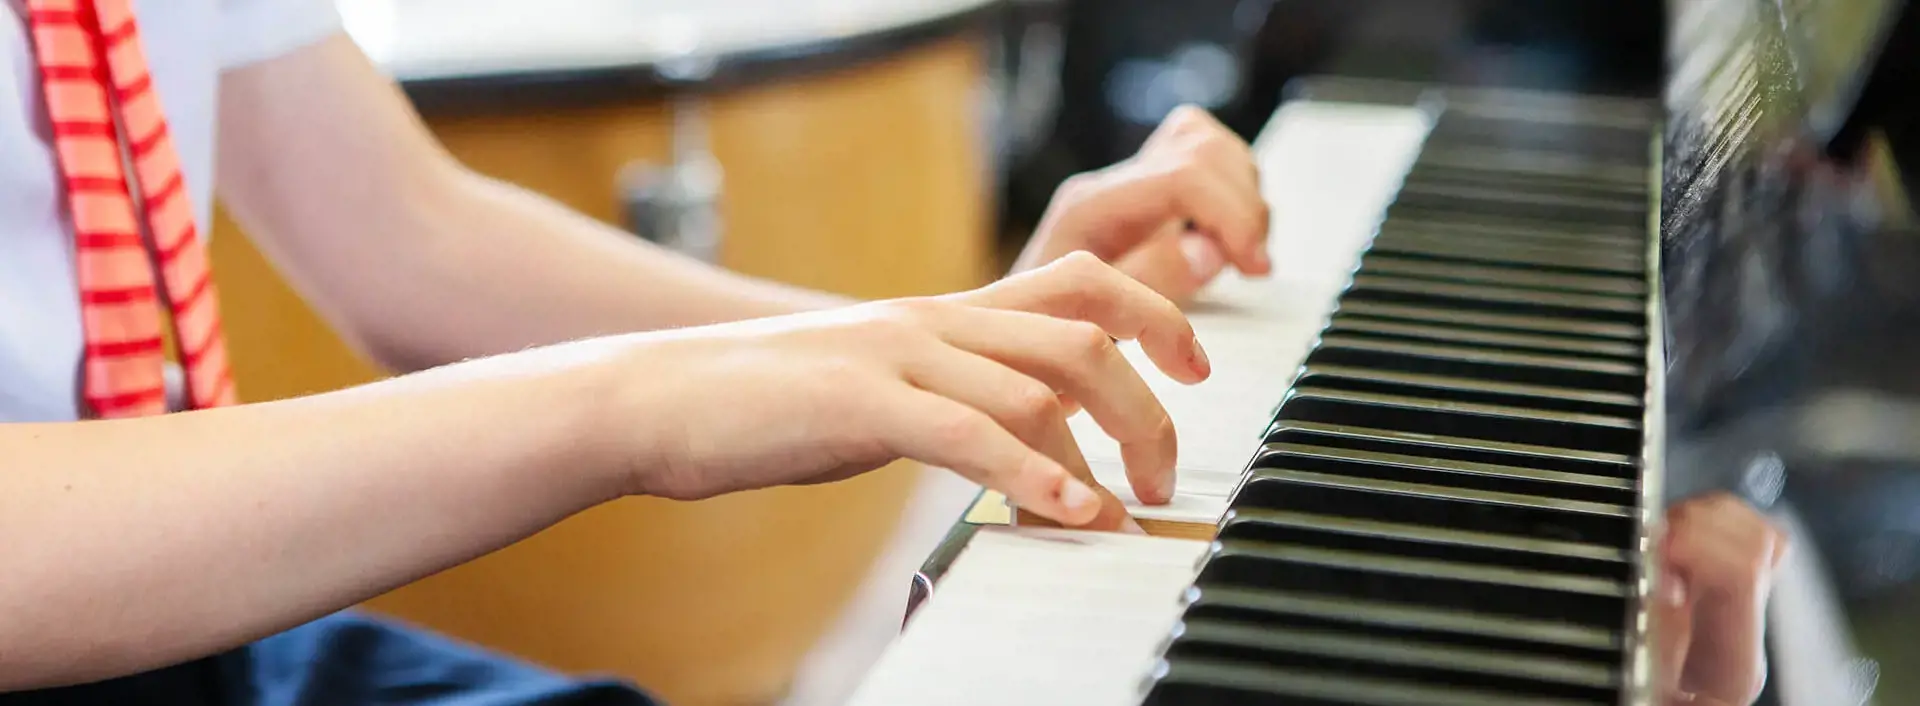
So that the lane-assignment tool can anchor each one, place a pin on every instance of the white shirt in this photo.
(188, 43)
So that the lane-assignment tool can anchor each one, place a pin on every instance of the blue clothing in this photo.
(346, 659)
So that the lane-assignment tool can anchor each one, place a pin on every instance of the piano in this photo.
(1507, 328)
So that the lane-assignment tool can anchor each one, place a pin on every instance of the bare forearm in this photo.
(133, 544)
(481, 267)
(419, 260)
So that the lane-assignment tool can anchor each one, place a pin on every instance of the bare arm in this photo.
(421, 261)
(128, 545)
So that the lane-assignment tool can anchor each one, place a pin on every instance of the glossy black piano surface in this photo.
(1791, 278)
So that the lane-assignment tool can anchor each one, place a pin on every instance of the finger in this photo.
(1229, 156)
(1068, 405)
(1177, 263)
(1058, 442)
(1073, 357)
(1671, 631)
(1128, 201)
(1160, 265)
(1189, 122)
(1081, 287)
(941, 432)
(1726, 550)
(1227, 209)
(1196, 140)
(1024, 406)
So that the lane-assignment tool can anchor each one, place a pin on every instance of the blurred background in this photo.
(876, 148)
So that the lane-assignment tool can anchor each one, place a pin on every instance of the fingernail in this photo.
(1167, 486)
(1201, 364)
(1132, 526)
(1204, 259)
(1675, 591)
(1077, 496)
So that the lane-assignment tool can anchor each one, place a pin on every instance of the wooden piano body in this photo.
(1508, 328)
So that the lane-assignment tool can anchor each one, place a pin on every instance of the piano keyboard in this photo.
(1445, 506)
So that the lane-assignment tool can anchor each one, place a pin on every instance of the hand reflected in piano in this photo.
(1173, 216)
(972, 382)
(1718, 556)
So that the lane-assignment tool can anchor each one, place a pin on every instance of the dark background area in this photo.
(1124, 63)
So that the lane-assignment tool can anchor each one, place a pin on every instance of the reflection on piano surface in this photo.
(1511, 327)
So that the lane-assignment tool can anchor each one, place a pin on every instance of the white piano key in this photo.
(999, 632)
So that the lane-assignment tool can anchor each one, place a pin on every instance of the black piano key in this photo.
(1279, 610)
(1532, 302)
(1490, 321)
(1432, 415)
(1451, 247)
(1536, 164)
(1544, 369)
(1217, 683)
(1386, 382)
(1525, 181)
(1330, 652)
(1507, 131)
(1435, 446)
(1436, 505)
(1566, 237)
(1577, 110)
(1468, 213)
(1417, 541)
(1469, 203)
(1534, 594)
(1454, 333)
(1408, 468)
(1631, 289)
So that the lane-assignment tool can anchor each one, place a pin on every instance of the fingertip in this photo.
(1262, 262)
(1161, 491)
(1203, 256)
(1078, 503)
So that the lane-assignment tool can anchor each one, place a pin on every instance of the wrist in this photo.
(577, 399)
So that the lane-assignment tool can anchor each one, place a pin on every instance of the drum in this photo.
(836, 144)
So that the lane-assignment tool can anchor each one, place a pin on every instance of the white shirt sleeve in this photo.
(257, 30)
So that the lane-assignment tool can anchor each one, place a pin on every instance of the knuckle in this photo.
(957, 429)
(1080, 263)
(1083, 276)
(1037, 405)
(1091, 343)
(1220, 145)
(1187, 115)
(904, 321)
(1075, 188)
